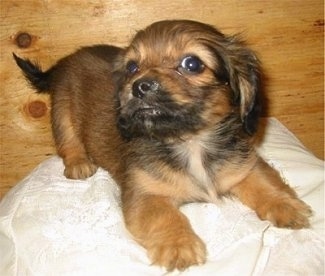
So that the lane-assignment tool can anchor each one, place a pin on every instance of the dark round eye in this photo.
(132, 67)
(192, 64)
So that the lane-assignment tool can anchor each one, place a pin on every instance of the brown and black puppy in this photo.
(172, 117)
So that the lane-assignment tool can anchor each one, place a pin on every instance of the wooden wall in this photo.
(287, 34)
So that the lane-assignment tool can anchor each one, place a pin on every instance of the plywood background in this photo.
(287, 34)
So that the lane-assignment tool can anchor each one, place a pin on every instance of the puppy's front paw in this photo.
(79, 168)
(177, 251)
(288, 213)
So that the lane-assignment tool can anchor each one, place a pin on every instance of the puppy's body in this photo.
(172, 118)
(83, 108)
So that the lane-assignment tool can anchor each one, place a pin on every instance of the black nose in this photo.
(143, 86)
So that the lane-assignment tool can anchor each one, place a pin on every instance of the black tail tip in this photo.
(17, 59)
(34, 74)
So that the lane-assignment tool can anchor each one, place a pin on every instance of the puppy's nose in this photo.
(143, 86)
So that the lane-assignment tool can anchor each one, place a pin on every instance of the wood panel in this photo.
(288, 36)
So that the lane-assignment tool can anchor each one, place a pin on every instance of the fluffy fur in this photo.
(173, 118)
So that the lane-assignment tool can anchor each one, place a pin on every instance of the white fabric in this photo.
(50, 225)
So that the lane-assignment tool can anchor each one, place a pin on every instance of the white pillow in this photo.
(50, 225)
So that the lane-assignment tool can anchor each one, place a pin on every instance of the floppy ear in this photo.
(244, 79)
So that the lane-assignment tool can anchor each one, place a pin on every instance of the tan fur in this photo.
(72, 150)
(164, 232)
(272, 199)
(203, 155)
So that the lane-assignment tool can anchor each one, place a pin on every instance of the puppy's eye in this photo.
(132, 67)
(191, 64)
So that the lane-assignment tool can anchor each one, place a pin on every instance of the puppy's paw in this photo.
(288, 213)
(79, 168)
(178, 251)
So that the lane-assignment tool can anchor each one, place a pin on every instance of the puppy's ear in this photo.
(245, 81)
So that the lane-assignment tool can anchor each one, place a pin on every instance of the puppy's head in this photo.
(183, 77)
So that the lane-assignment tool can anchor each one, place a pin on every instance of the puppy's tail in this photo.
(34, 74)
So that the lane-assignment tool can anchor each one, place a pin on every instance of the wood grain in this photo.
(288, 36)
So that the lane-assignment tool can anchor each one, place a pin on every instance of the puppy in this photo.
(173, 118)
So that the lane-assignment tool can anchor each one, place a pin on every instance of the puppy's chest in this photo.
(193, 157)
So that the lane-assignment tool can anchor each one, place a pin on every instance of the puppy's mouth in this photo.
(146, 112)
(137, 117)
(160, 118)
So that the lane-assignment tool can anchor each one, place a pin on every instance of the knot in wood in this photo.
(23, 40)
(37, 109)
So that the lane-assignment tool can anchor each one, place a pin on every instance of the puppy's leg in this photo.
(264, 191)
(69, 145)
(164, 231)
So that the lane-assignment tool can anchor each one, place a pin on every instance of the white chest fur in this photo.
(191, 153)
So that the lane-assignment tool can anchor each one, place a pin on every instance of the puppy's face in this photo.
(183, 77)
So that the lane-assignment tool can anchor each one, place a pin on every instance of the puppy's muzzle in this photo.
(143, 87)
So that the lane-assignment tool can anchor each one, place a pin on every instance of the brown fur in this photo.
(168, 136)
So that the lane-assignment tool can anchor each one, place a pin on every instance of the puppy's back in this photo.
(86, 59)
